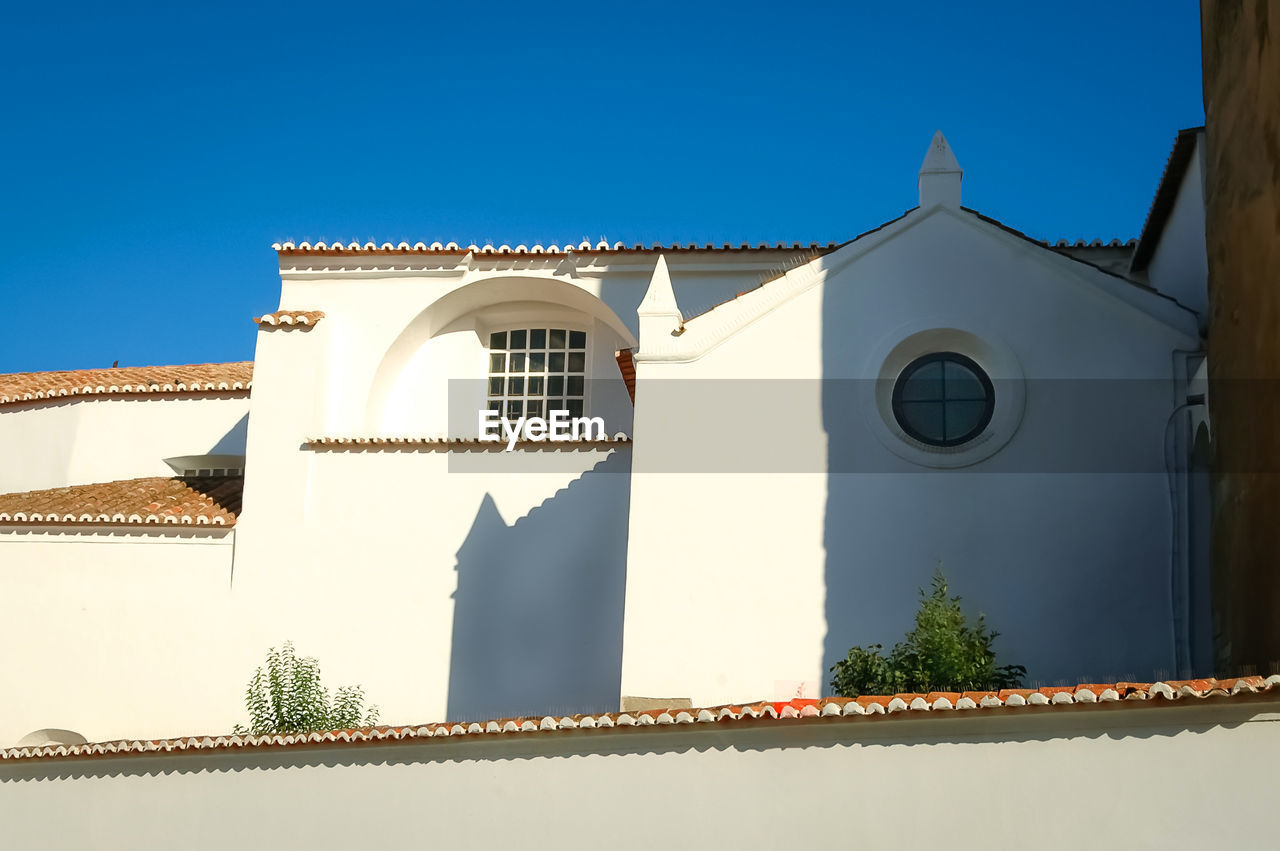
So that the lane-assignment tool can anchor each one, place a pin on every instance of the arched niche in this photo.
(469, 311)
(51, 736)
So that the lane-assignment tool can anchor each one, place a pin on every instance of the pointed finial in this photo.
(658, 312)
(940, 175)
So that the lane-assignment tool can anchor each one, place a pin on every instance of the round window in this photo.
(943, 399)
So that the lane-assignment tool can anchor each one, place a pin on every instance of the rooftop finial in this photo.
(658, 312)
(940, 175)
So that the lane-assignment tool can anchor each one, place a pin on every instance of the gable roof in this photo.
(699, 334)
(200, 501)
(1089, 697)
(132, 380)
(1175, 168)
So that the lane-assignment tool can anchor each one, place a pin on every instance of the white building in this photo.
(816, 430)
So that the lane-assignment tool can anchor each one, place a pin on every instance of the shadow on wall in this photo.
(537, 619)
(233, 442)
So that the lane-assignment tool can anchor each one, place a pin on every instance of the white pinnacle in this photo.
(940, 175)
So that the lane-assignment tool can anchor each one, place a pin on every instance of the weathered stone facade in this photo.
(1241, 42)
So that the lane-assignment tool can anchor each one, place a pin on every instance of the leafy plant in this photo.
(289, 698)
(945, 652)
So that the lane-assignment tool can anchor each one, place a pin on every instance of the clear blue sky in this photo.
(151, 153)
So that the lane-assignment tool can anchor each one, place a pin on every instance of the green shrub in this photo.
(945, 652)
(288, 698)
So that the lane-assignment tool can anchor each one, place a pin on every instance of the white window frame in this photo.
(530, 325)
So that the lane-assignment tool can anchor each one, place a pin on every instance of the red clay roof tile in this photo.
(187, 378)
(201, 501)
(817, 711)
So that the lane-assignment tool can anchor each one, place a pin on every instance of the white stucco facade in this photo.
(59, 442)
(770, 513)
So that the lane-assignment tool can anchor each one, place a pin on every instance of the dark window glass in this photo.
(555, 385)
(943, 399)
(577, 339)
(498, 340)
(577, 361)
(537, 361)
(557, 338)
(518, 338)
(515, 386)
(575, 385)
(574, 406)
(497, 363)
(495, 386)
(538, 338)
(517, 362)
(536, 384)
(555, 362)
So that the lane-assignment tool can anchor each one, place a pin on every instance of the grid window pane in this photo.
(532, 370)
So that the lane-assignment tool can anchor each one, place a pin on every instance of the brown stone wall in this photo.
(1241, 48)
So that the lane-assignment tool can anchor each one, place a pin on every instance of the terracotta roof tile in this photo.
(201, 501)
(627, 366)
(585, 246)
(189, 378)
(290, 319)
(446, 444)
(823, 711)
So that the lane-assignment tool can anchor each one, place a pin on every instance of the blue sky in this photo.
(152, 153)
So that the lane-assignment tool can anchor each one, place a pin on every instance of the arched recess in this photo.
(445, 312)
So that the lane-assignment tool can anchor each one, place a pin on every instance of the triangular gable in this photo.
(704, 332)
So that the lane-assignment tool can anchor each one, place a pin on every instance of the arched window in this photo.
(943, 399)
(533, 371)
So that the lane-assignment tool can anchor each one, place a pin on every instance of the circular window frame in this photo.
(902, 347)
(988, 400)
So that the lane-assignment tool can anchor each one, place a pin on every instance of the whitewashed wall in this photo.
(820, 524)
(1180, 265)
(1151, 778)
(52, 444)
(118, 632)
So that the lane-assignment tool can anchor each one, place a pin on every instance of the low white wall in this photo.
(115, 632)
(74, 442)
(1171, 777)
